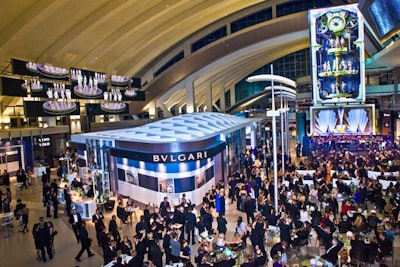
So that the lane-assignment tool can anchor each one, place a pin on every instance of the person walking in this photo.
(85, 242)
(25, 219)
(75, 220)
(41, 235)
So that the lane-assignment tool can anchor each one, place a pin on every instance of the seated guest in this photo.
(121, 213)
(110, 252)
(90, 192)
(75, 184)
(385, 247)
(344, 225)
(302, 235)
(278, 262)
(358, 250)
(279, 249)
(331, 254)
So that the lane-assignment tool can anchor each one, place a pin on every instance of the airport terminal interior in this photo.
(200, 133)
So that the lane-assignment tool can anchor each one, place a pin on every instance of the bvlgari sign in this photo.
(181, 157)
(169, 157)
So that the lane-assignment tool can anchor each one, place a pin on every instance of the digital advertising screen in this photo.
(88, 84)
(107, 108)
(337, 55)
(50, 108)
(348, 119)
(21, 67)
(12, 87)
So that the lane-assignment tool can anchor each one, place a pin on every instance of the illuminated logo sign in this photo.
(181, 157)
(44, 142)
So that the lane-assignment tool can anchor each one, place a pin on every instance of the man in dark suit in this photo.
(85, 242)
(42, 237)
(190, 225)
(250, 209)
(164, 206)
(113, 228)
(68, 200)
(110, 252)
(97, 219)
(331, 254)
(75, 220)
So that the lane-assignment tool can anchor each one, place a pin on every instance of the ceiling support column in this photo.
(190, 102)
(209, 97)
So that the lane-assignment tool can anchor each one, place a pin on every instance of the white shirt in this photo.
(76, 218)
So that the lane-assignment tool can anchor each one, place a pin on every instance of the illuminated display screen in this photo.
(337, 51)
(342, 120)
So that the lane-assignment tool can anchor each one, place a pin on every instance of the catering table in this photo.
(85, 206)
(125, 260)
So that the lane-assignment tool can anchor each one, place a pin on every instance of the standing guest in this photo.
(47, 199)
(222, 202)
(156, 254)
(75, 220)
(54, 201)
(97, 219)
(175, 248)
(221, 224)
(25, 219)
(141, 247)
(190, 225)
(41, 235)
(68, 200)
(232, 188)
(6, 178)
(85, 242)
(45, 179)
(249, 209)
(113, 229)
(52, 234)
(164, 206)
(167, 246)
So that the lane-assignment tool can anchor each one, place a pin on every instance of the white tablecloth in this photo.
(125, 258)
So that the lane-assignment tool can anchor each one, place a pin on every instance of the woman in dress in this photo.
(52, 233)
(126, 246)
(185, 253)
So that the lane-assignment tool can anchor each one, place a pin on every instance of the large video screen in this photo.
(107, 108)
(50, 108)
(337, 55)
(349, 119)
(21, 67)
(88, 84)
(12, 87)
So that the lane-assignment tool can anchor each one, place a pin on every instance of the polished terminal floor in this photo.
(19, 250)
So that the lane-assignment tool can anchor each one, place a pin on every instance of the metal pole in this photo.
(274, 152)
(282, 140)
(287, 135)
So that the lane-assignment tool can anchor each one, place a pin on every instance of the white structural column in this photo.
(190, 103)
(209, 97)
(274, 113)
